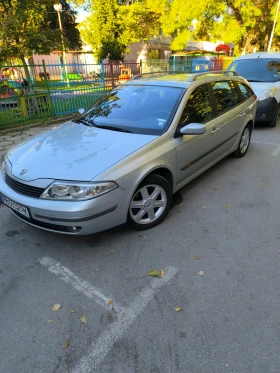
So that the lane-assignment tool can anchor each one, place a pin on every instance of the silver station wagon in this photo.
(121, 160)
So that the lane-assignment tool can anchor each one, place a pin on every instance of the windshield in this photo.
(138, 109)
(258, 69)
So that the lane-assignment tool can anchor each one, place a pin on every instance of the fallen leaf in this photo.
(197, 257)
(155, 273)
(111, 252)
(162, 272)
(110, 301)
(215, 188)
(269, 185)
(49, 321)
(177, 309)
(228, 206)
(204, 208)
(72, 310)
(200, 273)
(66, 344)
(84, 319)
(97, 269)
(113, 310)
(56, 307)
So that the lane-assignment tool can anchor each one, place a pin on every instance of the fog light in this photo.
(74, 229)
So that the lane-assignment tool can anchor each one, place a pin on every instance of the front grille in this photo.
(53, 227)
(24, 189)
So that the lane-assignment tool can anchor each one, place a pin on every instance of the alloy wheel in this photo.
(148, 204)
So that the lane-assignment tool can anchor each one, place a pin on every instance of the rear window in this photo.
(258, 69)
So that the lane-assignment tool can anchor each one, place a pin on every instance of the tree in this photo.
(68, 19)
(23, 30)
(246, 24)
(31, 26)
(112, 27)
(100, 29)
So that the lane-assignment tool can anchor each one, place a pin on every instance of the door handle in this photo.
(242, 114)
(215, 130)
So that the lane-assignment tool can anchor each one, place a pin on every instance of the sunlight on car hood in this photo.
(73, 152)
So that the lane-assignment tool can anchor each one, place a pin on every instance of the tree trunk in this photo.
(29, 89)
(25, 67)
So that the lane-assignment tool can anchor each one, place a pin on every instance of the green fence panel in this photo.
(43, 91)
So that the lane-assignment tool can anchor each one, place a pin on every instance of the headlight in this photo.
(67, 191)
(268, 93)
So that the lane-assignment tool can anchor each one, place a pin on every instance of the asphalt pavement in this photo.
(219, 249)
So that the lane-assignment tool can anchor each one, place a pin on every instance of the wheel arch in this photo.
(162, 171)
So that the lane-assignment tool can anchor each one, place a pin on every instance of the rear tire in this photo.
(244, 142)
(150, 203)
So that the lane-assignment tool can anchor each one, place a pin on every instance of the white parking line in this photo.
(264, 142)
(77, 283)
(276, 151)
(98, 350)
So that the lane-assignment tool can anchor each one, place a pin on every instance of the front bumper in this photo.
(88, 217)
(266, 110)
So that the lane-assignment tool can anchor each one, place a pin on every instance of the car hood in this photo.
(73, 152)
(259, 87)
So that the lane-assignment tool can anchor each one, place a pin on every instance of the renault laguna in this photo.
(122, 160)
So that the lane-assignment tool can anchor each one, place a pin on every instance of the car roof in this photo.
(181, 79)
(259, 55)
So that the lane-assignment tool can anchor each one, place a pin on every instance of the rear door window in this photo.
(226, 95)
(245, 91)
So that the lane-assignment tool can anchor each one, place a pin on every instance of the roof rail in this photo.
(194, 77)
(166, 72)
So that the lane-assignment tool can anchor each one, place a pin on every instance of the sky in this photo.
(82, 14)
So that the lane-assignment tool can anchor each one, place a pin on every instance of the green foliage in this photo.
(23, 29)
(112, 27)
(246, 24)
(100, 30)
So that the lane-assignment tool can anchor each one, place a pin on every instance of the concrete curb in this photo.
(39, 124)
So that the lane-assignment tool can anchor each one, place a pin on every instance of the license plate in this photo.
(15, 206)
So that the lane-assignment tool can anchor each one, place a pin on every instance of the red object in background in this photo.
(222, 48)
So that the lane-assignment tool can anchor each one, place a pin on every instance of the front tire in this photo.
(272, 123)
(150, 203)
(244, 142)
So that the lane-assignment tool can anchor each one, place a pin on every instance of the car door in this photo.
(231, 111)
(194, 152)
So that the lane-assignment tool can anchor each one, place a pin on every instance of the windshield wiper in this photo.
(253, 80)
(93, 124)
(81, 121)
(112, 128)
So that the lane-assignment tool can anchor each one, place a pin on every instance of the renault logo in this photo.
(23, 171)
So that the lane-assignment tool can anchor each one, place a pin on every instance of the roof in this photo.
(181, 79)
(259, 55)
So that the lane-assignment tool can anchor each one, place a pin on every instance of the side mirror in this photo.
(193, 129)
(81, 111)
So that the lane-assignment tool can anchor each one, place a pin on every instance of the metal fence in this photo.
(57, 89)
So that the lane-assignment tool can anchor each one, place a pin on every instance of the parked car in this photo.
(123, 158)
(262, 71)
